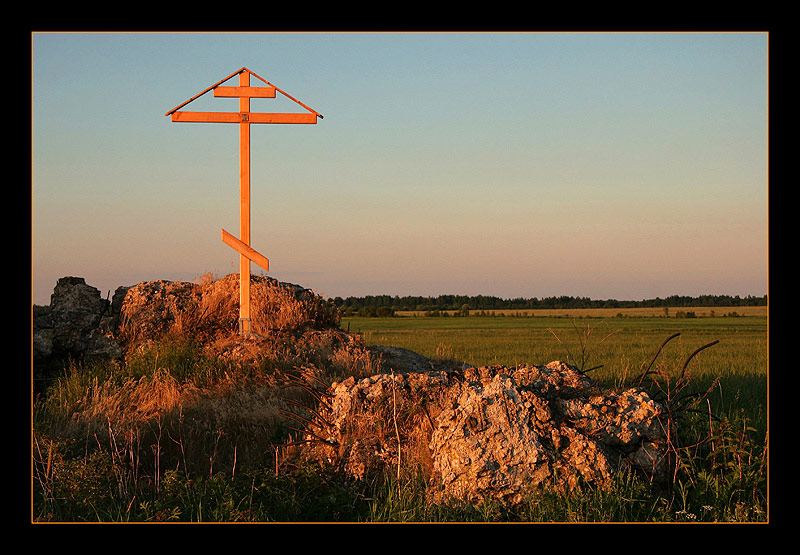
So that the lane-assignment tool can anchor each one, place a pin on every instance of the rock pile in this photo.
(493, 432)
(80, 325)
(77, 323)
(477, 433)
(210, 309)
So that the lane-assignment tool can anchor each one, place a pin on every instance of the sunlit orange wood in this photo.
(215, 85)
(244, 206)
(252, 92)
(245, 250)
(244, 92)
(236, 117)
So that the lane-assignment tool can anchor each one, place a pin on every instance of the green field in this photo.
(618, 348)
(173, 434)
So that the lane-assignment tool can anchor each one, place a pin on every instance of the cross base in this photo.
(244, 326)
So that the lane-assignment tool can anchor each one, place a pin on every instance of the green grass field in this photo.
(618, 348)
(172, 434)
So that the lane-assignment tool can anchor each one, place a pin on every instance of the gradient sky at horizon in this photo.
(624, 166)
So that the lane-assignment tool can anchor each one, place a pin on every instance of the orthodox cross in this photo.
(244, 117)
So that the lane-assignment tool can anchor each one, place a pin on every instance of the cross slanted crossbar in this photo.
(244, 117)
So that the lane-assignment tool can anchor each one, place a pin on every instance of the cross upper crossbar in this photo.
(239, 92)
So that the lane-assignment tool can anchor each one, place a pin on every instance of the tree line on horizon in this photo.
(374, 304)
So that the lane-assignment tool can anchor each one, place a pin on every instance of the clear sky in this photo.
(625, 166)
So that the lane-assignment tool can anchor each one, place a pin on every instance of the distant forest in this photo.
(379, 305)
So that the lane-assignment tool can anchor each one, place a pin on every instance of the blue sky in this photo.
(624, 166)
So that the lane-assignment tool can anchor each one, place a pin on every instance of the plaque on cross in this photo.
(244, 117)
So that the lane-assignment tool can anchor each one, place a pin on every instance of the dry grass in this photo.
(135, 401)
(208, 310)
(352, 359)
(274, 306)
(192, 393)
(157, 421)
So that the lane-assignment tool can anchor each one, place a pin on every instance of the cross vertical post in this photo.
(244, 206)
(244, 92)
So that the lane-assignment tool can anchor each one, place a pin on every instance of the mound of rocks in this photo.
(210, 309)
(79, 324)
(492, 432)
(477, 433)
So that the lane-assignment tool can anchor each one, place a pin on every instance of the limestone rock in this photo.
(492, 432)
(152, 309)
(76, 323)
(80, 325)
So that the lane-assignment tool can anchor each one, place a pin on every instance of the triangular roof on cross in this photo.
(253, 92)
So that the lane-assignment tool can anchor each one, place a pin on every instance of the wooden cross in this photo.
(244, 117)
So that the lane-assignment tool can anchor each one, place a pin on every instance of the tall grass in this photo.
(713, 370)
(179, 431)
(191, 398)
(112, 440)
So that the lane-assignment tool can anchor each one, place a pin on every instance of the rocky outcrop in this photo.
(542, 427)
(77, 324)
(210, 309)
(492, 432)
(153, 309)
(476, 433)
(80, 325)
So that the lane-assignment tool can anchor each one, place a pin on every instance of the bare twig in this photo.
(641, 377)
(706, 346)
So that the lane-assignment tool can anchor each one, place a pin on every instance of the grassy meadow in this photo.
(721, 360)
(174, 435)
(615, 348)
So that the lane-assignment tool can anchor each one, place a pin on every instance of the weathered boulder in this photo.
(542, 426)
(492, 432)
(152, 309)
(77, 323)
